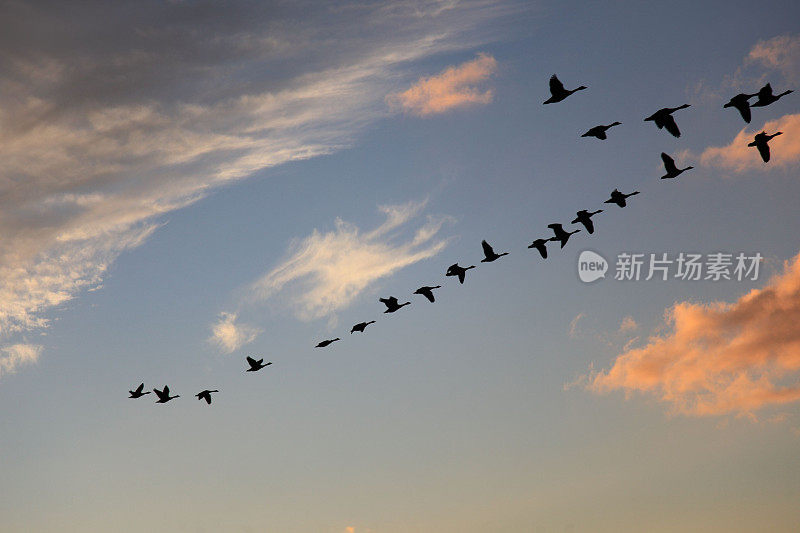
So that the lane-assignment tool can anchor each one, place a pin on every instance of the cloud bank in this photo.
(719, 358)
(452, 88)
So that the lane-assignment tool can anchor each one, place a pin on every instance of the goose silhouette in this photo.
(489, 254)
(361, 326)
(561, 235)
(541, 245)
(138, 392)
(600, 131)
(327, 342)
(391, 304)
(585, 218)
(619, 198)
(672, 170)
(765, 96)
(256, 365)
(760, 141)
(427, 292)
(663, 119)
(741, 103)
(558, 92)
(455, 270)
(163, 395)
(205, 395)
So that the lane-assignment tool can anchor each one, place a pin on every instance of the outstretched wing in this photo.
(207, 397)
(251, 361)
(669, 163)
(744, 110)
(140, 388)
(763, 149)
(461, 274)
(487, 249)
(588, 224)
(428, 293)
(765, 92)
(556, 86)
(672, 126)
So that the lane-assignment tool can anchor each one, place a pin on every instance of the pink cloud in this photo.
(781, 53)
(738, 157)
(718, 357)
(454, 87)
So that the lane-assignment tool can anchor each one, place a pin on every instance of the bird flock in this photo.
(662, 118)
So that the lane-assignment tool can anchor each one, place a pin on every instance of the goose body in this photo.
(663, 119)
(672, 170)
(619, 198)
(163, 395)
(585, 218)
(327, 342)
(459, 271)
(558, 92)
(392, 304)
(741, 102)
(255, 365)
(541, 245)
(600, 131)
(138, 392)
(760, 141)
(765, 96)
(205, 395)
(489, 253)
(427, 292)
(361, 326)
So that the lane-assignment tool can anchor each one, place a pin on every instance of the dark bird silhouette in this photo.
(455, 270)
(256, 365)
(585, 218)
(427, 292)
(541, 245)
(561, 235)
(760, 141)
(742, 104)
(558, 92)
(361, 326)
(327, 342)
(619, 198)
(489, 254)
(163, 395)
(138, 392)
(765, 96)
(663, 119)
(672, 170)
(205, 395)
(391, 304)
(600, 131)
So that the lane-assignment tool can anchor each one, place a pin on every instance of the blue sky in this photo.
(274, 169)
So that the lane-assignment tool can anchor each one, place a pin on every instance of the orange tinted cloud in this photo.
(454, 87)
(780, 53)
(718, 357)
(738, 157)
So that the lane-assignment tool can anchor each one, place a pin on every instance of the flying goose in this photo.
(427, 292)
(138, 392)
(361, 326)
(489, 254)
(163, 395)
(455, 270)
(742, 104)
(541, 245)
(663, 119)
(327, 342)
(391, 304)
(760, 141)
(558, 92)
(585, 218)
(256, 365)
(619, 198)
(672, 170)
(765, 96)
(205, 395)
(600, 131)
(561, 235)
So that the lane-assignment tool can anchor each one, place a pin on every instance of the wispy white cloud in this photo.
(229, 336)
(98, 143)
(324, 272)
(455, 87)
(16, 355)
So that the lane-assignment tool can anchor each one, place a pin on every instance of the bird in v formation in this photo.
(662, 118)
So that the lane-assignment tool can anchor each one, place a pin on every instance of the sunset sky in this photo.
(184, 184)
